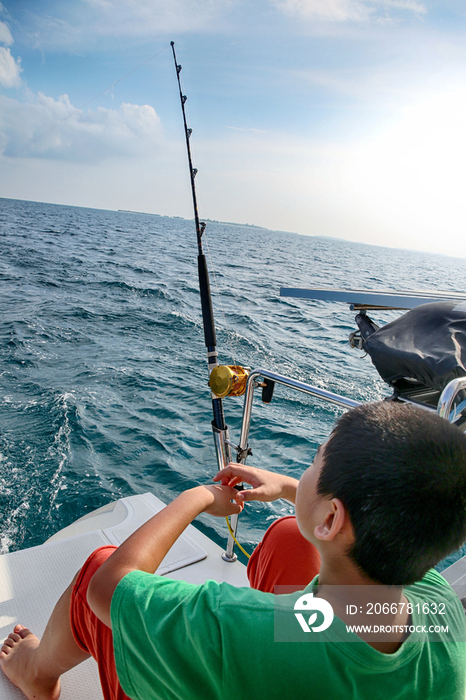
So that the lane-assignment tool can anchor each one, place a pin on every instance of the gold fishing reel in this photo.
(228, 380)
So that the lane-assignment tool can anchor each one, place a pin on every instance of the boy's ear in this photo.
(334, 521)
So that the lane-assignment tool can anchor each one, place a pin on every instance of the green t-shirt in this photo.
(213, 641)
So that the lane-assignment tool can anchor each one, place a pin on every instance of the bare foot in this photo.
(17, 659)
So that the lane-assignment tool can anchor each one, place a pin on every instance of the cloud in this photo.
(5, 34)
(10, 68)
(408, 5)
(349, 10)
(54, 129)
(147, 16)
(56, 25)
(85, 21)
(247, 129)
(329, 10)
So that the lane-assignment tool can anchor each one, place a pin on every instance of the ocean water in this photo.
(103, 377)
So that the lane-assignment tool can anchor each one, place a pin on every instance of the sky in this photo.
(340, 118)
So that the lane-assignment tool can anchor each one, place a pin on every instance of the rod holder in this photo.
(229, 555)
(223, 451)
(222, 446)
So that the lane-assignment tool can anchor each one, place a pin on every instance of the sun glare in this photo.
(413, 174)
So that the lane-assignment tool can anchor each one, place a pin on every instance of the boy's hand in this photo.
(218, 500)
(266, 486)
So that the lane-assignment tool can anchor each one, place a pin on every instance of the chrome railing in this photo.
(447, 398)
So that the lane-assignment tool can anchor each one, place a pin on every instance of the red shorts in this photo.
(90, 634)
(283, 557)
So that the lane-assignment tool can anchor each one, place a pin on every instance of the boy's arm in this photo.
(266, 486)
(145, 548)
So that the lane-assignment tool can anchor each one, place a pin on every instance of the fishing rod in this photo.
(223, 380)
(204, 284)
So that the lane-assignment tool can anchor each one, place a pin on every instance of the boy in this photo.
(383, 502)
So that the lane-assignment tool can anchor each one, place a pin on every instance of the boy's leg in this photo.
(73, 633)
(283, 558)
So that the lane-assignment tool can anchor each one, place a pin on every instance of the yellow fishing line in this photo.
(236, 541)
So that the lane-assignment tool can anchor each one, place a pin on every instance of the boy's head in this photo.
(400, 473)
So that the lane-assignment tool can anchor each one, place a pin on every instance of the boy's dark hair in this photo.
(401, 473)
